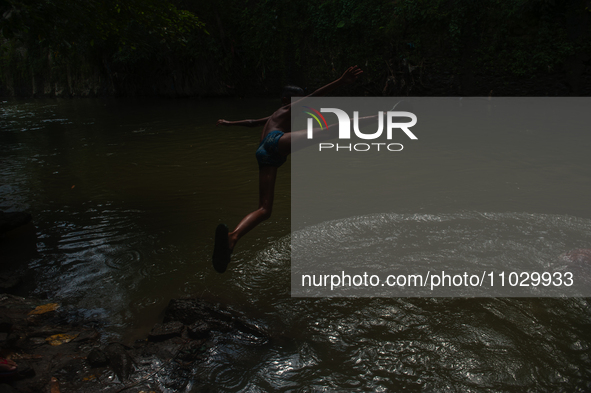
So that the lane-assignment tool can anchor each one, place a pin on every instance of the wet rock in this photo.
(254, 328)
(71, 370)
(97, 358)
(120, 360)
(29, 343)
(165, 331)
(161, 350)
(189, 311)
(215, 316)
(193, 351)
(87, 335)
(198, 330)
(27, 338)
(189, 332)
(34, 342)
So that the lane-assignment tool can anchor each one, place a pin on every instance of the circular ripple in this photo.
(123, 260)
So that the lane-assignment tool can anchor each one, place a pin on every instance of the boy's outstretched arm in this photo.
(348, 77)
(244, 123)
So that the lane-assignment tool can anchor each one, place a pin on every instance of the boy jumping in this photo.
(274, 147)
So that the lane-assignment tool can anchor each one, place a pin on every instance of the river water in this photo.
(126, 194)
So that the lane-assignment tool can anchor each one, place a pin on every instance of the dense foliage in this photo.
(189, 47)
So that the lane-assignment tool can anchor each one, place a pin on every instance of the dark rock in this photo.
(70, 370)
(120, 360)
(4, 388)
(198, 330)
(25, 370)
(35, 341)
(9, 284)
(10, 221)
(30, 385)
(5, 324)
(18, 246)
(44, 332)
(194, 350)
(97, 358)
(189, 311)
(30, 343)
(26, 379)
(203, 317)
(167, 330)
(87, 335)
(162, 350)
(251, 327)
(11, 340)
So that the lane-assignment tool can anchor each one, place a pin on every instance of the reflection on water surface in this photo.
(125, 195)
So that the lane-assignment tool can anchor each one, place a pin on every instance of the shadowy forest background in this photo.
(183, 48)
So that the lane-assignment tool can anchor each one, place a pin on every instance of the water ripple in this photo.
(424, 344)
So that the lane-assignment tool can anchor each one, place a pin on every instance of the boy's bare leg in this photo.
(299, 139)
(267, 176)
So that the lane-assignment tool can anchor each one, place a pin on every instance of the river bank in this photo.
(60, 349)
(58, 353)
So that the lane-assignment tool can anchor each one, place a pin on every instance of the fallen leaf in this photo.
(44, 308)
(55, 385)
(59, 339)
(73, 186)
(89, 378)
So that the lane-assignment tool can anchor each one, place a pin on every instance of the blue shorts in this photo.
(268, 151)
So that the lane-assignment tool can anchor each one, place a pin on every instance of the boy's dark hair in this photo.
(291, 91)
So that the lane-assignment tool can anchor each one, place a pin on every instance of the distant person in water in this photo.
(274, 147)
(579, 256)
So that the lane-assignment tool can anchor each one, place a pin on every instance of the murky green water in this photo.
(126, 194)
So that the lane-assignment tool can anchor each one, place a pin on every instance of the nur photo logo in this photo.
(401, 120)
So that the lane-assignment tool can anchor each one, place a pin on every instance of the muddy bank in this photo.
(55, 351)
(60, 348)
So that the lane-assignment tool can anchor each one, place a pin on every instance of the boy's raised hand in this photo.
(351, 74)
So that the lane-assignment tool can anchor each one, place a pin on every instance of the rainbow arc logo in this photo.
(315, 115)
